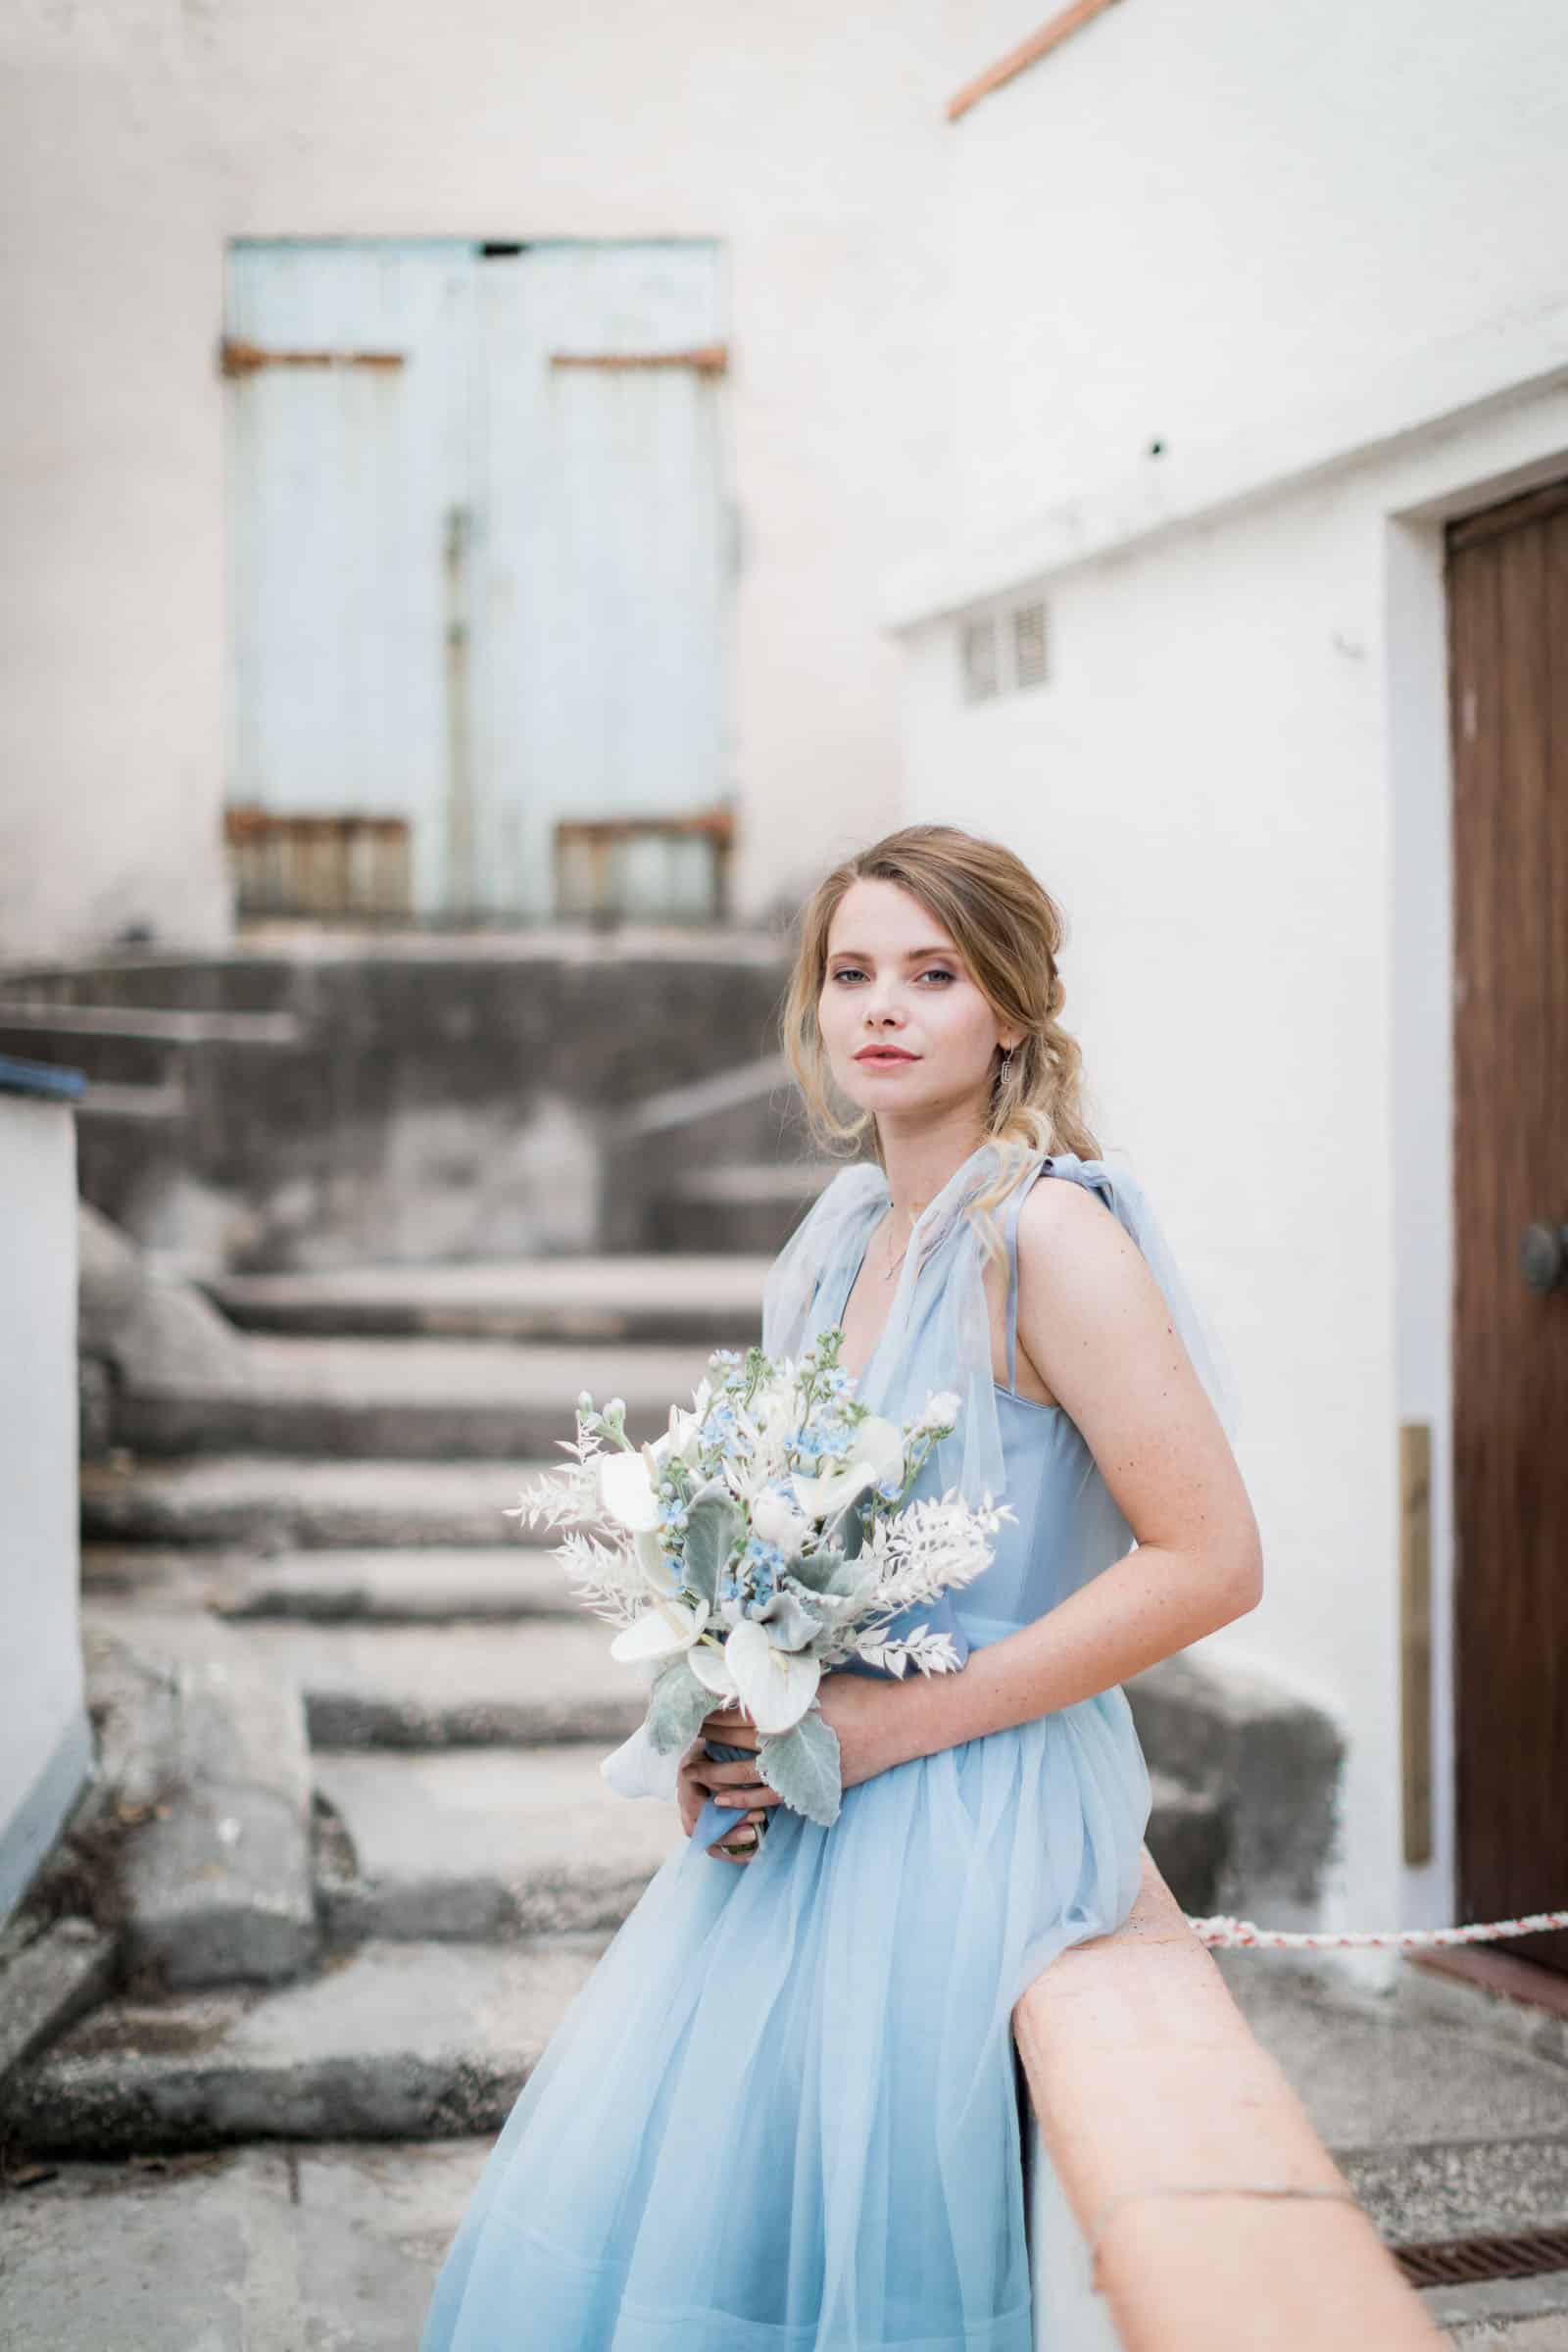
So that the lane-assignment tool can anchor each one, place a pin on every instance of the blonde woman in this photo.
(783, 2115)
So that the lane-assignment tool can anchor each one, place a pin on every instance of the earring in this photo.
(1007, 1065)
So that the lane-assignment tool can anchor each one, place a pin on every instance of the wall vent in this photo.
(1029, 645)
(1001, 652)
(979, 642)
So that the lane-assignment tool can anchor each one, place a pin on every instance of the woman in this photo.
(783, 2112)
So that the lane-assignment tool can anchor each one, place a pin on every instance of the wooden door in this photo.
(602, 572)
(350, 372)
(479, 556)
(1509, 676)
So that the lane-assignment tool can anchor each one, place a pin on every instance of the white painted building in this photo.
(45, 1741)
(1249, 304)
(197, 615)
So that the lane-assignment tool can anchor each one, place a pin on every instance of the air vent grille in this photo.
(1002, 651)
(1029, 645)
(980, 679)
(1458, 2261)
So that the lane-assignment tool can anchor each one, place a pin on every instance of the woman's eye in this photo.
(848, 971)
(938, 972)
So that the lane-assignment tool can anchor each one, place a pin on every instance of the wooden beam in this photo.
(1416, 1637)
(707, 359)
(1028, 53)
(245, 359)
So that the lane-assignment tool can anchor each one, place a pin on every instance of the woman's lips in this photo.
(884, 1057)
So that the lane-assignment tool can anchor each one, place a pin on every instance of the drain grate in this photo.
(1459, 2261)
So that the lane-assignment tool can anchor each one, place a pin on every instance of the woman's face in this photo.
(907, 1029)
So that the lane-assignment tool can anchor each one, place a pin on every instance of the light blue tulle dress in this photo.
(783, 2114)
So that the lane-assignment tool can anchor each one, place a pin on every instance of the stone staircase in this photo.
(523, 1096)
(355, 1857)
(331, 1527)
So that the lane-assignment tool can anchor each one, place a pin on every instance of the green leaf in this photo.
(804, 1766)
(815, 1570)
(848, 1531)
(713, 1523)
(676, 1706)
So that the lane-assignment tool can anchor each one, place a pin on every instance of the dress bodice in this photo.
(1066, 1526)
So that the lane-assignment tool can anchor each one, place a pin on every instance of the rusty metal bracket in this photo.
(707, 359)
(236, 357)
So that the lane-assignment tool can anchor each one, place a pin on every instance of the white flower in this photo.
(627, 1490)
(775, 1519)
(662, 1631)
(653, 1561)
(712, 1669)
(775, 1685)
(941, 1412)
(684, 1437)
(878, 1453)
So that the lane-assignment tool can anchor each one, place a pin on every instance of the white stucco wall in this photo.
(1318, 260)
(44, 1744)
(1236, 781)
(139, 139)
(1193, 218)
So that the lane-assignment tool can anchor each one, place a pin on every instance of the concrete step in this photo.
(125, 1047)
(411, 1399)
(392, 2041)
(110, 1108)
(427, 1587)
(1378, 2074)
(707, 1300)
(328, 2243)
(108, 1062)
(482, 1843)
(273, 1502)
(743, 1206)
(273, 2248)
(454, 1685)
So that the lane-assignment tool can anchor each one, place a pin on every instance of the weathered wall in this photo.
(434, 1103)
(139, 139)
(1194, 223)
(45, 1748)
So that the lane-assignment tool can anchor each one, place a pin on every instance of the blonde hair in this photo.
(1009, 931)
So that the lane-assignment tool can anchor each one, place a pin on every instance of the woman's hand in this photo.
(861, 1710)
(699, 1777)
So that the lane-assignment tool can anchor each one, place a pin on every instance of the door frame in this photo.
(1503, 451)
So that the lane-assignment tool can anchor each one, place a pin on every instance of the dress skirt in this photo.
(783, 2112)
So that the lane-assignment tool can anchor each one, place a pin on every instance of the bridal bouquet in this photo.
(764, 1538)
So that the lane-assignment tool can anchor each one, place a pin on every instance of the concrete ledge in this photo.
(1147, 2085)
(36, 1820)
(1273, 1759)
(215, 1881)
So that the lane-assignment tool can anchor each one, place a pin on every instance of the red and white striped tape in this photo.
(1242, 1933)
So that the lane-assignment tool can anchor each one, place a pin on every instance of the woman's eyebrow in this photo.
(911, 955)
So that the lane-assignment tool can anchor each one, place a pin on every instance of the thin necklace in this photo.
(894, 1263)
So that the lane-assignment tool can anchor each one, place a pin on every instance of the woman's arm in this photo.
(1092, 1322)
